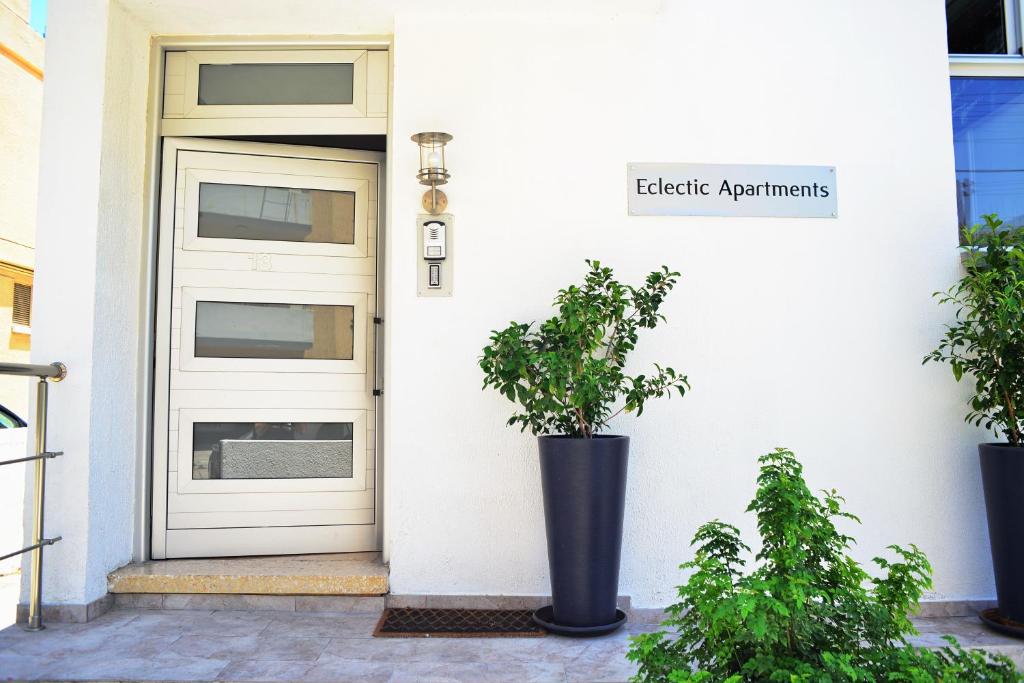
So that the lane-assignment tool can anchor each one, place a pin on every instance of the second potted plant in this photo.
(568, 377)
(986, 342)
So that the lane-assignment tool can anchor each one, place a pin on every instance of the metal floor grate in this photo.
(457, 623)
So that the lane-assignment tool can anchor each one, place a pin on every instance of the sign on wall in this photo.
(666, 189)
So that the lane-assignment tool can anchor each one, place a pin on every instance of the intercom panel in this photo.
(434, 268)
(434, 232)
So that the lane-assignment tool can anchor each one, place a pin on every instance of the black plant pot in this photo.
(584, 482)
(1002, 474)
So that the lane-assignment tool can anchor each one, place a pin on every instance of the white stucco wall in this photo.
(804, 333)
(89, 287)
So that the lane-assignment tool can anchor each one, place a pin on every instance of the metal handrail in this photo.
(55, 372)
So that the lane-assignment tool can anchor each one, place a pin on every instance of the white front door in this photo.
(264, 412)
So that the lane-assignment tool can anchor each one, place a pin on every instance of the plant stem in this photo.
(581, 420)
(1014, 433)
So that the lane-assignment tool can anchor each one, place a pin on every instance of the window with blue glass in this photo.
(988, 141)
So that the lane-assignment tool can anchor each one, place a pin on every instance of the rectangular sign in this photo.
(731, 190)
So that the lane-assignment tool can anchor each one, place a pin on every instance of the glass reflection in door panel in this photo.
(271, 450)
(283, 214)
(226, 329)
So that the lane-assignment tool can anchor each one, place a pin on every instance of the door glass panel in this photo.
(271, 450)
(275, 84)
(268, 330)
(285, 214)
(976, 27)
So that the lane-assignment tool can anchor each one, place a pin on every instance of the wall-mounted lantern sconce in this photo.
(433, 170)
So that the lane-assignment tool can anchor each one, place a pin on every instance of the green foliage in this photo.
(567, 373)
(987, 339)
(808, 612)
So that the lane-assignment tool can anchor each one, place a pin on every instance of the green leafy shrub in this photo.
(808, 612)
(987, 339)
(567, 373)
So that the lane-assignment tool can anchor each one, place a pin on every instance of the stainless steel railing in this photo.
(55, 372)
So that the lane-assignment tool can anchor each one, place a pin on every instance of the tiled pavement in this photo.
(207, 645)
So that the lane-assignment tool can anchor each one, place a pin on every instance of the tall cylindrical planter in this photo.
(1002, 474)
(584, 483)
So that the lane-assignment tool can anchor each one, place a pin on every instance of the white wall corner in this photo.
(89, 251)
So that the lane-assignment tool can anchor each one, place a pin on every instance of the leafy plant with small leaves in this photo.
(808, 612)
(987, 339)
(568, 372)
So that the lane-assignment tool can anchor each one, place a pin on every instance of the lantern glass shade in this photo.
(433, 169)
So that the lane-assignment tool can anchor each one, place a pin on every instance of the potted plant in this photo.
(806, 610)
(986, 341)
(568, 377)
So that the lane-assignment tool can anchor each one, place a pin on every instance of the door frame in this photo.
(148, 224)
(163, 247)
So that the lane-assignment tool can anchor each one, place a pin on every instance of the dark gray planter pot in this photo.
(1002, 474)
(584, 482)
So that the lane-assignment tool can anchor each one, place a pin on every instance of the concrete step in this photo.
(348, 603)
(345, 574)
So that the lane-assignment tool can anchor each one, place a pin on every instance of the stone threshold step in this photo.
(340, 603)
(346, 574)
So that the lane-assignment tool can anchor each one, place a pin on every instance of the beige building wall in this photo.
(21, 103)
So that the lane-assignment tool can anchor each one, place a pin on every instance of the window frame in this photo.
(18, 326)
(187, 105)
(195, 177)
(191, 296)
(187, 417)
(1013, 11)
(182, 115)
(1010, 65)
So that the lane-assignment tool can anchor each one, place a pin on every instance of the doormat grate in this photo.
(414, 622)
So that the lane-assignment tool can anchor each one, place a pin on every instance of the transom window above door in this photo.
(268, 92)
(276, 84)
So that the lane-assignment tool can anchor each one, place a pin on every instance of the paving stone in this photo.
(349, 672)
(406, 600)
(317, 647)
(138, 601)
(17, 666)
(265, 670)
(189, 621)
(323, 625)
(254, 647)
(398, 650)
(551, 649)
(338, 603)
(116, 646)
(953, 608)
(274, 603)
(503, 672)
(100, 665)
